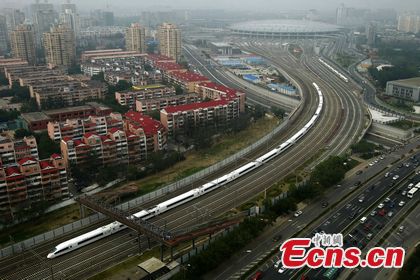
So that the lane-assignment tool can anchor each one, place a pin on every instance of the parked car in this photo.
(401, 228)
(380, 206)
(390, 214)
(402, 203)
(298, 213)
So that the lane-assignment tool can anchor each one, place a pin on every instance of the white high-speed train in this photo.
(114, 227)
(339, 74)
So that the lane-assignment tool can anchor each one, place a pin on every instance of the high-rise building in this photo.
(22, 41)
(108, 18)
(71, 20)
(14, 17)
(409, 23)
(3, 35)
(43, 17)
(135, 38)
(347, 16)
(169, 36)
(371, 34)
(60, 46)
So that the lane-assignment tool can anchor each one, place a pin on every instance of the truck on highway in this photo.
(412, 192)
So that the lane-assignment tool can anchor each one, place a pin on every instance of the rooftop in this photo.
(148, 87)
(149, 125)
(35, 117)
(195, 106)
(219, 87)
(189, 76)
(413, 82)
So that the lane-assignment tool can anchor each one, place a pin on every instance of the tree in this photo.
(278, 112)
(178, 90)
(21, 133)
(46, 146)
(329, 172)
(99, 77)
(6, 116)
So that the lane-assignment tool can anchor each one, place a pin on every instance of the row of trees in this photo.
(326, 174)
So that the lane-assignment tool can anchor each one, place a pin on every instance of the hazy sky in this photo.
(263, 5)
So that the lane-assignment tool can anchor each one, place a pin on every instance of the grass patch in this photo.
(195, 161)
(45, 223)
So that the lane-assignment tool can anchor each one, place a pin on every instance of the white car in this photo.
(403, 193)
(387, 199)
(387, 174)
(410, 185)
(282, 269)
(402, 203)
(395, 177)
(361, 199)
(298, 213)
(371, 164)
(373, 213)
(277, 264)
(380, 206)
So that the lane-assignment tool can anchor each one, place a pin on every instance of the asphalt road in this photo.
(345, 218)
(312, 212)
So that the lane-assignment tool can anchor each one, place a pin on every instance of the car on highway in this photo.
(369, 236)
(381, 205)
(404, 193)
(282, 269)
(358, 183)
(387, 200)
(298, 213)
(371, 164)
(395, 177)
(277, 238)
(390, 214)
(361, 199)
(401, 228)
(387, 174)
(410, 186)
(382, 212)
(324, 204)
(373, 213)
(402, 203)
(258, 275)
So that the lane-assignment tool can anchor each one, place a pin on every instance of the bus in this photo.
(411, 192)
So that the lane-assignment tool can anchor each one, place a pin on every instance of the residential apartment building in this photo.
(135, 38)
(63, 94)
(219, 92)
(188, 81)
(128, 98)
(151, 132)
(169, 36)
(31, 180)
(15, 72)
(149, 105)
(38, 121)
(76, 128)
(409, 23)
(4, 38)
(60, 46)
(12, 150)
(183, 117)
(22, 42)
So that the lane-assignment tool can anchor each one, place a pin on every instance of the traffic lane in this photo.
(288, 273)
(359, 235)
(354, 207)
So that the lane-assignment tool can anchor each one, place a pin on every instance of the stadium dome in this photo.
(281, 28)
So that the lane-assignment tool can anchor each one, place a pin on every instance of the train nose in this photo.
(50, 256)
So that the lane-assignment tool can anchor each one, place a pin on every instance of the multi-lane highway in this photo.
(336, 132)
(386, 190)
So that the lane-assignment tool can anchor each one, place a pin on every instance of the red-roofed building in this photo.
(12, 150)
(116, 147)
(75, 128)
(169, 67)
(157, 58)
(31, 180)
(187, 80)
(217, 92)
(202, 114)
(151, 132)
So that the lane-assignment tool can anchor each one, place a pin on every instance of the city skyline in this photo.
(234, 5)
